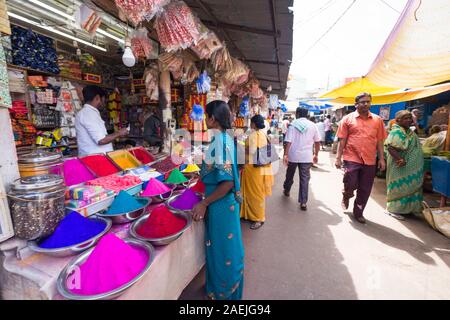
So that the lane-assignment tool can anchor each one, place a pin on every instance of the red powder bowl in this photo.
(161, 223)
(142, 155)
(100, 165)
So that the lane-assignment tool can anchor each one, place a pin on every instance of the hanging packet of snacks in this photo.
(206, 47)
(221, 60)
(203, 83)
(141, 45)
(151, 77)
(178, 28)
(139, 10)
(88, 19)
(238, 74)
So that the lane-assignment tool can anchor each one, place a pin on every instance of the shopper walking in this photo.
(328, 130)
(321, 127)
(257, 181)
(404, 176)
(361, 136)
(220, 208)
(302, 135)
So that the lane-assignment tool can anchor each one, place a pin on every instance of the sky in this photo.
(349, 47)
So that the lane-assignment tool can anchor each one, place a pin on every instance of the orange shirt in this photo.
(362, 137)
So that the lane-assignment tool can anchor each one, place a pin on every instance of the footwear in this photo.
(303, 207)
(395, 215)
(256, 225)
(345, 203)
(360, 220)
(286, 193)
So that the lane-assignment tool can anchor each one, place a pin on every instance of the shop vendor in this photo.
(92, 136)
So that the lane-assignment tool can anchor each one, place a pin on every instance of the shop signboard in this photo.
(385, 113)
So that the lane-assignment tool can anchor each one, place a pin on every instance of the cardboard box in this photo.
(94, 78)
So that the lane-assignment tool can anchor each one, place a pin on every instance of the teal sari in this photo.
(223, 240)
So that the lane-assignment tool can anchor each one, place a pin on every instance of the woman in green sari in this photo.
(220, 209)
(404, 168)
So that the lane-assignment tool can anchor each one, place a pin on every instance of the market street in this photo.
(323, 254)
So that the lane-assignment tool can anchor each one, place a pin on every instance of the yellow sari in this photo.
(256, 182)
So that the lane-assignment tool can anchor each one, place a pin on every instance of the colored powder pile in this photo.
(161, 223)
(100, 165)
(191, 168)
(116, 183)
(75, 172)
(125, 160)
(142, 155)
(73, 229)
(155, 188)
(199, 187)
(187, 200)
(124, 202)
(111, 264)
(176, 177)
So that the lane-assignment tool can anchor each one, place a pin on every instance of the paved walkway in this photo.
(323, 254)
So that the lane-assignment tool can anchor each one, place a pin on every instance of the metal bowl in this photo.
(61, 283)
(127, 217)
(160, 241)
(74, 249)
(162, 197)
(173, 198)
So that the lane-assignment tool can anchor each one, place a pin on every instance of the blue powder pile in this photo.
(124, 203)
(72, 230)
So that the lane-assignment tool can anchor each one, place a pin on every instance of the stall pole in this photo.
(447, 140)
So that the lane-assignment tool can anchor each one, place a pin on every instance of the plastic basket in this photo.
(438, 221)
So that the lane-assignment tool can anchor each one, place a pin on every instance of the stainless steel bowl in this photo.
(175, 197)
(127, 217)
(61, 283)
(74, 249)
(160, 241)
(162, 197)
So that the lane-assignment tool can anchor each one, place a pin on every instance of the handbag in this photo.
(266, 155)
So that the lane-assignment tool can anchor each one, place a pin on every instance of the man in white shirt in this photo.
(300, 138)
(328, 131)
(92, 136)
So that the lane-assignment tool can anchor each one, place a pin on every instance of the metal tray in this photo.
(162, 197)
(173, 198)
(160, 241)
(127, 217)
(61, 283)
(74, 249)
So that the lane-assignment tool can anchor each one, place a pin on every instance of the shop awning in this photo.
(417, 52)
(397, 96)
(352, 89)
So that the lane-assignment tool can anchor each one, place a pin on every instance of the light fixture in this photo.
(128, 58)
(72, 18)
(51, 29)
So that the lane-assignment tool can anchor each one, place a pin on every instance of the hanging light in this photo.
(128, 57)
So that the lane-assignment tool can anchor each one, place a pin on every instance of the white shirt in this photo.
(284, 126)
(327, 123)
(321, 127)
(90, 129)
(301, 150)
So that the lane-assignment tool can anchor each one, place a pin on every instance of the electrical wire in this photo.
(316, 13)
(329, 29)
(387, 4)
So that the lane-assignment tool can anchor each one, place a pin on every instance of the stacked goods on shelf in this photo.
(16, 81)
(23, 130)
(31, 50)
(4, 20)
(80, 197)
(69, 68)
(115, 107)
(5, 98)
(68, 104)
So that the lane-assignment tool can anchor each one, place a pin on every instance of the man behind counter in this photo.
(92, 136)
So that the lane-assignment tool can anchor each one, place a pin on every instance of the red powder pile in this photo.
(100, 165)
(161, 223)
(199, 187)
(142, 155)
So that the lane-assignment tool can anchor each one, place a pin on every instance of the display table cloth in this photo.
(27, 275)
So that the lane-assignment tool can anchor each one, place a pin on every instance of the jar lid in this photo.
(40, 156)
(39, 182)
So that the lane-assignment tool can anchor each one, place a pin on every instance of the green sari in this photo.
(404, 184)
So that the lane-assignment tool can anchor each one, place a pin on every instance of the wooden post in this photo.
(447, 140)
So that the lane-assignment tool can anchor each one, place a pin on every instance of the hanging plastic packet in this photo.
(197, 113)
(203, 83)
(244, 108)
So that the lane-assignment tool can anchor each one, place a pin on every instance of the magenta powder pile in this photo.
(111, 264)
(75, 172)
(155, 188)
(187, 200)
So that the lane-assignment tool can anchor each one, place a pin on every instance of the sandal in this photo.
(256, 225)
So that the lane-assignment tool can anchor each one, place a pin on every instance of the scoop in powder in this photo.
(110, 265)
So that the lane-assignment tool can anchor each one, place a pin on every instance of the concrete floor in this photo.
(324, 254)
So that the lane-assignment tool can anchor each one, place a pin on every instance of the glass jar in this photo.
(40, 163)
(37, 205)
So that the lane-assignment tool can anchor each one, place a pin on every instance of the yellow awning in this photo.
(352, 89)
(403, 96)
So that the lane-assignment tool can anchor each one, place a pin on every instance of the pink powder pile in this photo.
(75, 172)
(155, 188)
(111, 264)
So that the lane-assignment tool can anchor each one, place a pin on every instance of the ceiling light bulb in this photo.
(128, 58)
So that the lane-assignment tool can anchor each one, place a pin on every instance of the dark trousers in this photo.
(304, 175)
(328, 139)
(358, 177)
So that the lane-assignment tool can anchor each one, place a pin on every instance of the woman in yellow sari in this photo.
(257, 182)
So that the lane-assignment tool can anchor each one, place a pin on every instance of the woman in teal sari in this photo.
(220, 209)
(404, 174)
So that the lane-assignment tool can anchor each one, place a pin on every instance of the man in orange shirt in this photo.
(361, 134)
